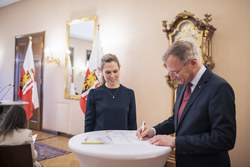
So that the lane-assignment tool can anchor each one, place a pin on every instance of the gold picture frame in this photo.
(74, 76)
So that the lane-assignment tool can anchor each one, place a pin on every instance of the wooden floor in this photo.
(68, 160)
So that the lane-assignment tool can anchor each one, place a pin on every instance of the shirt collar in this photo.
(198, 77)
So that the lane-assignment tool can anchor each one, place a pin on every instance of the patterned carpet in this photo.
(46, 152)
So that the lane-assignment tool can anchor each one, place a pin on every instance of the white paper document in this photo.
(34, 138)
(113, 137)
(120, 137)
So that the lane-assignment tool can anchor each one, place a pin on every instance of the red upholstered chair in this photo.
(16, 156)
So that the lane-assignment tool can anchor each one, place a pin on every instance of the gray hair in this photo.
(183, 50)
(107, 58)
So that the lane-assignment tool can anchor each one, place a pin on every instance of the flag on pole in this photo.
(28, 86)
(93, 75)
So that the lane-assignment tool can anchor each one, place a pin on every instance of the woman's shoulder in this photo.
(98, 89)
(126, 89)
(23, 132)
(18, 136)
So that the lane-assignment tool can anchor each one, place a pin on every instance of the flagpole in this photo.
(28, 121)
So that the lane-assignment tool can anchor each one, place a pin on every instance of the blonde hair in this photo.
(107, 58)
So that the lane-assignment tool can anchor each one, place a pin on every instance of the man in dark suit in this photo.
(206, 127)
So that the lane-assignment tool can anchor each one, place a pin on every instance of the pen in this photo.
(91, 142)
(142, 128)
(143, 125)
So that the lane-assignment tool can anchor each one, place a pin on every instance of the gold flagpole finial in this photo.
(30, 38)
(98, 27)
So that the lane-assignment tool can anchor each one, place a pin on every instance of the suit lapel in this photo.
(199, 87)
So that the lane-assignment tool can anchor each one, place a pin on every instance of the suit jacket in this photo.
(207, 127)
(21, 136)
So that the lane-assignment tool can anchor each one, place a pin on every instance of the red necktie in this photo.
(186, 96)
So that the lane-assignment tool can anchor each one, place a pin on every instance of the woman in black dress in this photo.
(110, 106)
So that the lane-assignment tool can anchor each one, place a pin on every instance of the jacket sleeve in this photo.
(167, 127)
(90, 112)
(132, 125)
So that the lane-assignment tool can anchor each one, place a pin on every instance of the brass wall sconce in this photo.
(49, 58)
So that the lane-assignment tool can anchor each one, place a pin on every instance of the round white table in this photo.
(117, 149)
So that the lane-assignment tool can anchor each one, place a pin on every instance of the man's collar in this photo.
(198, 75)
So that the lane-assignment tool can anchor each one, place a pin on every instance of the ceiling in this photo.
(4, 3)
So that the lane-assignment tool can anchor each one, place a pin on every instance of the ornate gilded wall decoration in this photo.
(187, 27)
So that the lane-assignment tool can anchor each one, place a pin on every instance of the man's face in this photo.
(179, 71)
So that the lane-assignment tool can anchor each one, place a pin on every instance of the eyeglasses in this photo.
(175, 73)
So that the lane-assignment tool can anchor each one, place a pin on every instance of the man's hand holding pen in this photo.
(143, 133)
(143, 128)
(159, 140)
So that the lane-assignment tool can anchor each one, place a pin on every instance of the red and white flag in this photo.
(28, 86)
(93, 74)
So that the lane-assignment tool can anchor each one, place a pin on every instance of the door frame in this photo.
(31, 124)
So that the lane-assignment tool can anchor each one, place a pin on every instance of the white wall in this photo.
(132, 30)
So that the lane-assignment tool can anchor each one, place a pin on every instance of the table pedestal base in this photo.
(87, 161)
